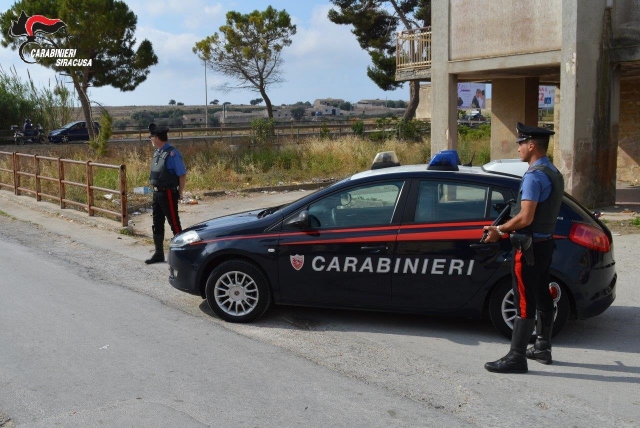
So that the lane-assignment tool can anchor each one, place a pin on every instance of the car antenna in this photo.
(471, 161)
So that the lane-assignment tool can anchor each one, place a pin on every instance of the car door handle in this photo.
(374, 248)
(484, 248)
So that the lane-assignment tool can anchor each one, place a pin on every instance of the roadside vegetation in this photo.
(257, 163)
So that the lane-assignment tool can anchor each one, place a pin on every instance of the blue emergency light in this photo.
(445, 160)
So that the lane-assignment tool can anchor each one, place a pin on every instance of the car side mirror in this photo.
(300, 221)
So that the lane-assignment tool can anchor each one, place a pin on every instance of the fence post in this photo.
(16, 176)
(89, 189)
(123, 195)
(61, 182)
(37, 165)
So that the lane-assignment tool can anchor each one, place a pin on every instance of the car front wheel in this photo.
(64, 139)
(237, 291)
(502, 308)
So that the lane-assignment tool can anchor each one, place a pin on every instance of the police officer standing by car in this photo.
(531, 228)
(168, 177)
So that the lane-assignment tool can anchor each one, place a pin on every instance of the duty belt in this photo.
(162, 188)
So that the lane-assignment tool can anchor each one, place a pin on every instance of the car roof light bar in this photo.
(385, 160)
(445, 160)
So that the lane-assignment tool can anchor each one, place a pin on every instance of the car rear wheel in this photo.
(502, 308)
(237, 291)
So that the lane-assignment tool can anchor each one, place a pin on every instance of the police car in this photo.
(394, 238)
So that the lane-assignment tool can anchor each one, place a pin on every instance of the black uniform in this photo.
(531, 280)
(166, 169)
(165, 192)
(532, 255)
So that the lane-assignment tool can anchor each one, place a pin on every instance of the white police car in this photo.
(400, 238)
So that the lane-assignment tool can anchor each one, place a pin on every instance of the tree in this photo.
(172, 102)
(256, 101)
(180, 103)
(101, 32)
(214, 102)
(248, 49)
(375, 26)
(297, 113)
(346, 106)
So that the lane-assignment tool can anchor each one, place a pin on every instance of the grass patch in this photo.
(241, 164)
(128, 231)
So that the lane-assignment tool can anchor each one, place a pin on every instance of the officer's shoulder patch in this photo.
(172, 153)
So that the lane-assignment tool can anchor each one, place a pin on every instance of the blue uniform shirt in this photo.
(174, 162)
(536, 185)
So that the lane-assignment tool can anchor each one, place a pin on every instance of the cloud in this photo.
(191, 14)
(323, 39)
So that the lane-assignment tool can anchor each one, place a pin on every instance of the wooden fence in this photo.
(23, 173)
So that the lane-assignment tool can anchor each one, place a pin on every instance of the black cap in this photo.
(532, 133)
(157, 130)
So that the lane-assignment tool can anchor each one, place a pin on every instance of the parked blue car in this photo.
(73, 131)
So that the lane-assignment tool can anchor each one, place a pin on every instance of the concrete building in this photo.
(588, 49)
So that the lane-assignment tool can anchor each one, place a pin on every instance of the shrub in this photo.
(100, 142)
(262, 130)
(358, 128)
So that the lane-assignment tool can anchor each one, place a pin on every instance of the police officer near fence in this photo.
(532, 224)
(167, 178)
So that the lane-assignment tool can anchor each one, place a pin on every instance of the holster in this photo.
(524, 243)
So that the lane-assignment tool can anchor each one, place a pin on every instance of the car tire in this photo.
(502, 310)
(64, 139)
(238, 291)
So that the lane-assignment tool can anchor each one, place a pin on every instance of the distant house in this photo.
(321, 103)
(370, 104)
(193, 119)
(279, 112)
(327, 107)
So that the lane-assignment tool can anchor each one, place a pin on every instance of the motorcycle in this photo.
(35, 135)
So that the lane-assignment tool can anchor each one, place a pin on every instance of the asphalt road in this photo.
(166, 347)
(79, 351)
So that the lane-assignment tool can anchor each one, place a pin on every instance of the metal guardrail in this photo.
(413, 49)
(19, 168)
(292, 130)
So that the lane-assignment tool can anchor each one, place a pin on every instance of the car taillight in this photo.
(589, 237)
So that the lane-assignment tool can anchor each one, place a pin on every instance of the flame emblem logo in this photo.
(34, 27)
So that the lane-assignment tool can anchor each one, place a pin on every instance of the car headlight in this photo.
(186, 238)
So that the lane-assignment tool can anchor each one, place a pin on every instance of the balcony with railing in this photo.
(413, 54)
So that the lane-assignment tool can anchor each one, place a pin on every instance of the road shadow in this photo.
(625, 373)
(614, 330)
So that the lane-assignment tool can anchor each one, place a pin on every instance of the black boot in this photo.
(541, 350)
(515, 361)
(158, 256)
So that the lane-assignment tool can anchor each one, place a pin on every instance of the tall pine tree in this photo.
(375, 24)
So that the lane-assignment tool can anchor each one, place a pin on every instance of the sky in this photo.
(324, 60)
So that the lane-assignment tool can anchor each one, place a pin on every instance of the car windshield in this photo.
(70, 125)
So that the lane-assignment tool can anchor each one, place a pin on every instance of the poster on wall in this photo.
(472, 95)
(546, 96)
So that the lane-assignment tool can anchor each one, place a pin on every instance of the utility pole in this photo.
(206, 104)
